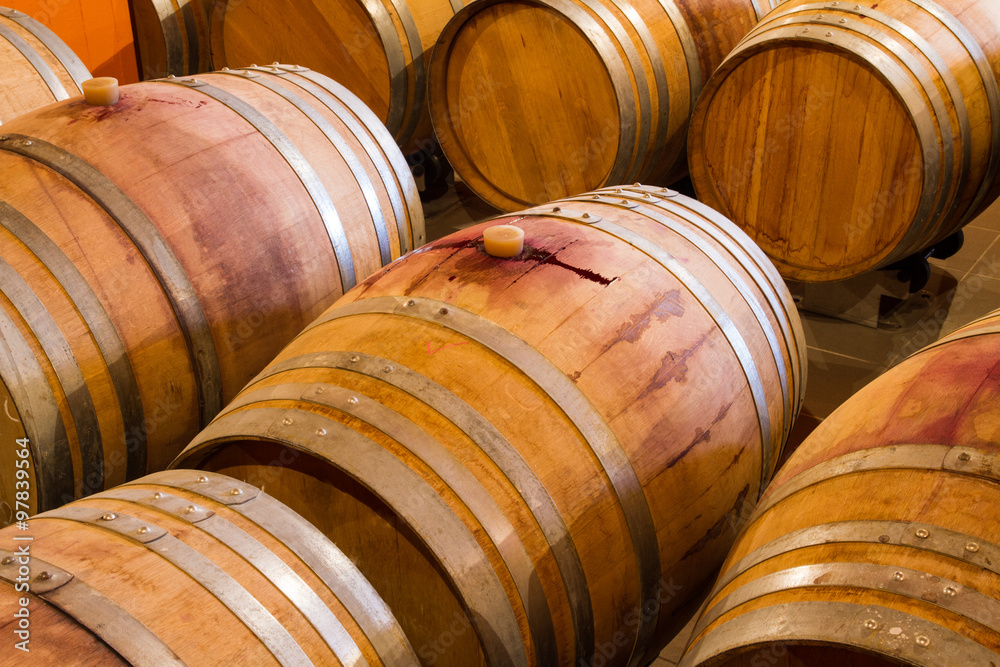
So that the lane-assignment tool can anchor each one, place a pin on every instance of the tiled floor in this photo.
(843, 356)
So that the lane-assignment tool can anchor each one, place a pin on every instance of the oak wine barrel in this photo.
(533, 100)
(537, 453)
(843, 138)
(878, 543)
(36, 67)
(377, 48)
(173, 37)
(188, 568)
(157, 253)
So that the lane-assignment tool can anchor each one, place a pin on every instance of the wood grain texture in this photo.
(83, 298)
(173, 37)
(192, 590)
(847, 138)
(377, 49)
(923, 523)
(583, 346)
(534, 100)
(22, 85)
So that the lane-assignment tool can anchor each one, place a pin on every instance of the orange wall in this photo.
(99, 31)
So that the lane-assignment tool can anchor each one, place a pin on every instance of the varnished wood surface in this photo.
(173, 37)
(22, 87)
(944, 395)
(647, 359)
(379, 49)
(845, 143)
(245, 232)
(534, 100)
(198, 617)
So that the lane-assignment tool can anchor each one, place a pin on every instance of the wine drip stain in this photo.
(529, 254)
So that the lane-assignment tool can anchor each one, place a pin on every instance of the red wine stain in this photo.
(530, 254)
(541, 257)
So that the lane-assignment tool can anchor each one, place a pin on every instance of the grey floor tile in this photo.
(848, 339)
(977, 242)
(975, 296)
(988, 219)
(834, 378)
(989, 264)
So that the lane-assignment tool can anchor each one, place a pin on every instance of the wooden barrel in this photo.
(877, 543)
(173, 37)
(535, 453)
(188, 568)
(378, 49)
(36, 67)
(157, 253)
(844, 138)
(533, 100)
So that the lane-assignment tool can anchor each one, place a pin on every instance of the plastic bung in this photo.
(504, 240)
(101, 92)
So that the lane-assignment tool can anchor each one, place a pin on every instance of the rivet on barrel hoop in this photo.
(923, 640)
(898, 576)
(202, 479)
(950, 591)
(7, 560)
(353, 400)
(44, 576)
(972, 547)
(236, 492)
(287, 421)
(964, 456)
(922, 533)
(143, 530)
(111, 516)
(871, 624)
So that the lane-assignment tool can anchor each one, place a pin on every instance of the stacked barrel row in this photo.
(536, 453)
(842, 137)
(378, 50)
(156, 253)
(499, 466)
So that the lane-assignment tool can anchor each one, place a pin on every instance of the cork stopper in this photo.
(503, 240)
(101, 92)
